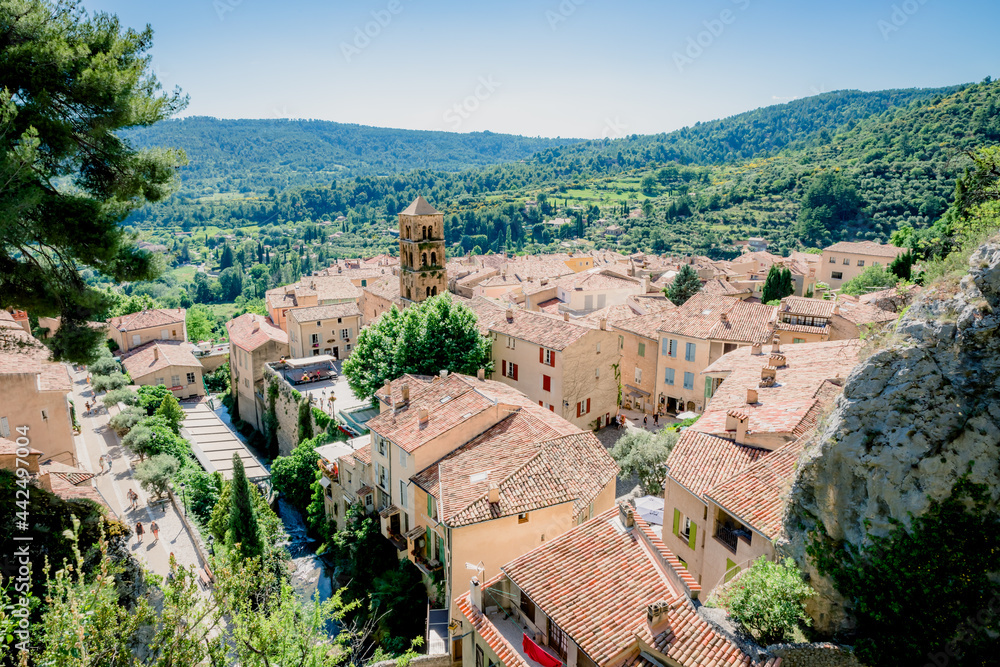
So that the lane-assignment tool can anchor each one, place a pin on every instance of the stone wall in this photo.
(286, 409)
(814, 655)
(441, 660)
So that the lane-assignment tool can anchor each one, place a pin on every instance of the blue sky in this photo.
(570, 68)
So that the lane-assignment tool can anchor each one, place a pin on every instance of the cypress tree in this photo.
(686, 284)
(243, 528)
(787, 286)
(772, 285)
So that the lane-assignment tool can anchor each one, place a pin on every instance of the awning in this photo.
(388, 511)
(636, 392)
(414, 533)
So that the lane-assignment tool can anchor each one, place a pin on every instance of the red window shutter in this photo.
(541, 355)
(514, 372)
(552, 408)
(546, 383)
(588, 406)
(577, 409)
(503, 366)
(552, 359)
(541, 404)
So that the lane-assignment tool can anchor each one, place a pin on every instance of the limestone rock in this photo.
(911, 418)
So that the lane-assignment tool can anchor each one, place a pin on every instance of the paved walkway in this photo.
(97, 438)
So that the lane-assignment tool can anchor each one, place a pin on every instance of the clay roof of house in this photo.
(866, 248)
(336, 288)
(279, 298)
(364, 454)
(611, 314)
(699, 461)
(67, 473)
(756, 495)
(595, 583)
(646, 326)
(701, 317)
(143, 360)
(797, 305)
(532, 462)
(148, 318)
(723, 287)
(386, 288)
(9, 447)
(544, 329)
(250, 330)
(23, 354)
(318, 313)
(597, 279)
(760, 256)
(802, 328)
(812, 377)
(535, 268)
(858, 312)
(420, 207)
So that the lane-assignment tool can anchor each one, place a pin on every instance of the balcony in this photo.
(730, 536)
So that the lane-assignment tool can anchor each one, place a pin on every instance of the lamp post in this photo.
(184, 499)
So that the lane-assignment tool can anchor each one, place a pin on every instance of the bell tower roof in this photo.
(420, 207)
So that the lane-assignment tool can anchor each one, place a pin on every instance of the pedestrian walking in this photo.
(133, 499)
(139, 531)
(87, 405)
(100, 461)
(107, 457)
(645, 421)
(156, 531)
(656, 419)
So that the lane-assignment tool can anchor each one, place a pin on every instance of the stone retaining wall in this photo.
(441, 660)
(814, 655)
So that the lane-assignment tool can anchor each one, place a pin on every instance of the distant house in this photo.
(847, 259)
(167, 362)
(254, 341)
(137, 329)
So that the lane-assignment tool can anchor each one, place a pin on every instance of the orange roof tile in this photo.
(148, 318)
(250, 330)
(713, 316)
(158, 355)
(699, 461)
(866, 248)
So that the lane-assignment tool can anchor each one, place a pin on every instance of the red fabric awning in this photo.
(535, 652)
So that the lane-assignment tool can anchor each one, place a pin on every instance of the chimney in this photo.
(751, 396)
(565, 317)
(423, 416)
(156, 353)
(476, 594)
(388, 389)
(723, 317)
(626, 515)
(768, 376)
(510, 314)
(494, 493)
(742, 430)
(775, 345)
(604, 324)
(778, 360)
(443, 373)
(755, 349)
(481, 374)
(405, 391)
(836, 309)
(256, 326)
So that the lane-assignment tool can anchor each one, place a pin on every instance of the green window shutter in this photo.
(692, 540)
(427, 541)
(731, 569)
(642, 349)
(677, 521)
(708, 387)
(430, 507)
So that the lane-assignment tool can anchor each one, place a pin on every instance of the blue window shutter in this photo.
(668, 376)
(665, 349)
(689, 380)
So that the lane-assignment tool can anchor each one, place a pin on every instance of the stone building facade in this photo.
(421, 252)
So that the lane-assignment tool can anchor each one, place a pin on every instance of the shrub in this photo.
(120, 395)
(110, 382)
(150, 397)
(155, 473)
(768, 599)
(293, 475)
(104, 366)
(171, 411)
(123, 422)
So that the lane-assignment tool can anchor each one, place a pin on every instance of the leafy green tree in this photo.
(231, 283)
(872, 279)
(171, 411)
(244, 532)
(831, 200)
(72, 83)
(156, 472)
(124, 421)
(318, 522)
(768, 600)
(649, 186)
(271, 528)
(902, 266)
(777, 285)
(202, 491)
(152, 436)
(685, 285)
(219, 379)
(104, 365)
(150, 397)
(115, 380)
(199, 326)
(292, 476)
(120, 395)
(400, 600)
(644, 455)
(437, 334)
(305, 421)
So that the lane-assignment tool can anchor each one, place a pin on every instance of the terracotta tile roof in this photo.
(597, 279)
(386, 288)
(783, 407)
(317, 313)
(549, 331)
(9, 447)
(148, 318)
(756, 495)
(143, 360)
(701, 316)
(802, 328)
(865, 313)
(595, 582)
(279, 298)
(449, 405)
(723, 287)
(865, 248)
(797, 305)
(69, 474)
(250, 330)
(646, 326)
(364, 454)
(611, 314)
(23, 354)
(699, 461)
(337, 288)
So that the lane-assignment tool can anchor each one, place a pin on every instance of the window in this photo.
(4, 427)
(876, 263)
(190, 378)
(329, 494)
(583, 408)
(295, 338)
(402, 457)
(522, 517)
(546, 383)
(861, 262)
(547, 357)
(837, 275)
(136, 339)
(638, 375)
(319, 324)
(402, 493)
(847, 261)
(383, 476)
(689, 349)
(621, 342)
(689, 380)
(158, 381)
(175, 380)
(508, 370)
(165, 334)
(345, 334)
(431, 507)
(364, 283)
(686, 528)
(833, 260)
(348, 477)
(510, 343)
(672, 348)
(348, 347)
(598, 348)
(668, 376)
(798, 340)
(597, 373)
(314, 339)
(642, 349)
(381, 446)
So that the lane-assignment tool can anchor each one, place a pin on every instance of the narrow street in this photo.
(97, 438)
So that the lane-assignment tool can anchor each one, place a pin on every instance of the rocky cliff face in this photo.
(911, 418)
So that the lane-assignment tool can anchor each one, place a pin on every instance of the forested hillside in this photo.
(253, 155)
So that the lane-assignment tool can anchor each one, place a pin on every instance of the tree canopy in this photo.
(434, 335)
(644, 455)
(685, 285)
(71, 82)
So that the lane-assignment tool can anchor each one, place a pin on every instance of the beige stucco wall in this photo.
(300, 336)
(246, 370)
(715, 553)
(676, 497)
(126, 340)
(590, 300)
(166, 377)
(793, 337)
(22, 403)
(647, 364)
(833, 262)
